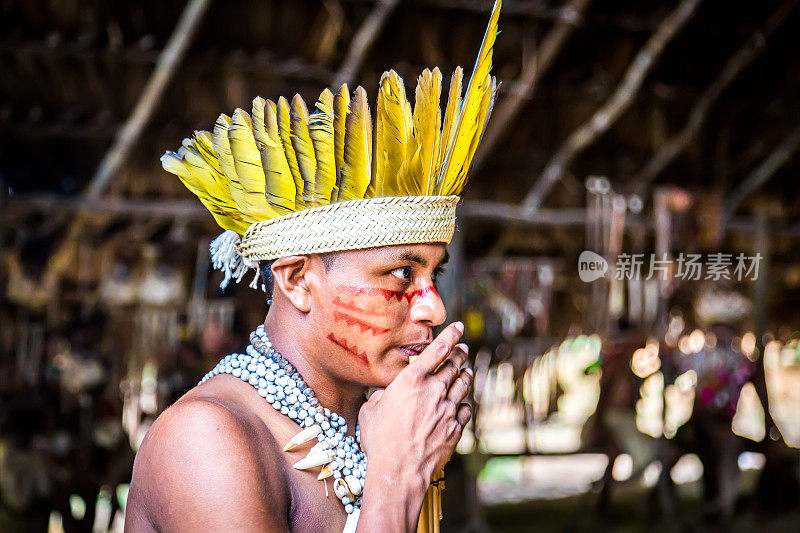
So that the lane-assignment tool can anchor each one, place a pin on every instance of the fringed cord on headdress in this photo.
(225, 257)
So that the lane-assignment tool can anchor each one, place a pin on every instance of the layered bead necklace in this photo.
(279, 383)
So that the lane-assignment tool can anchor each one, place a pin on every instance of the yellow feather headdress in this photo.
(282, 181)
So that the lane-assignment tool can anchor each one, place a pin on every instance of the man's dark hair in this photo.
(265, 270)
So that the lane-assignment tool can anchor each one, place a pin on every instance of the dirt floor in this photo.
(628, 514)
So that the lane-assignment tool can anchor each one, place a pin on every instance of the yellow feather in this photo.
(249, 172)
(321, 132)
(341, 106)
(485, 111)
(409, 178)
(271, 120)
(357, 167)
(222, 149)
(456, 162)
(283, 118)
(280, 188)
(217, 201)
(206, 146)
(283, 160)
(214, 182)
(274, 133)
(259, 127)
(392, 135)
(303, 148)
(453, 106)
(427, 121)
(201, 162)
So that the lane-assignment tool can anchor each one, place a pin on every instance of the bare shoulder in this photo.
(205, 465)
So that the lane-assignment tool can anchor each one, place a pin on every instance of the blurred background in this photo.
(653, 383)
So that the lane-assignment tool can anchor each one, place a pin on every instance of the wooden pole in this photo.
(499, 212)
(612, 109)
(167, 64)
(363, 40)
(505, 115)
(532, 9)
(168, 209)
(165, 68)
(743, 57)
(781, 155)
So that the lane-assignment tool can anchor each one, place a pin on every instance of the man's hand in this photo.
(411, 428)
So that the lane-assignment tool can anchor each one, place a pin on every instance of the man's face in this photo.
(375, 308)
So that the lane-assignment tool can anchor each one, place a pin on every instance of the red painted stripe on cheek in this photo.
(352, 350)
(350, 306)
(388, 294)
(363, 325)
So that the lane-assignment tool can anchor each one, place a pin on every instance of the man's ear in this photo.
(289, 277)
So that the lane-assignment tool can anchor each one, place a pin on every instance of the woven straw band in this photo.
(353, 225)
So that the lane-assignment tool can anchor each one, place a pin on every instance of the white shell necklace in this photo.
(278, 382)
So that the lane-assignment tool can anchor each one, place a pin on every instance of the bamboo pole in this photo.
(612, 109)
(424, 513)
(737, 63)
(430, 513)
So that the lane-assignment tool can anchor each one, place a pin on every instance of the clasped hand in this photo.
(415, 423)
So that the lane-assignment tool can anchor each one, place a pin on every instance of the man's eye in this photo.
(402, 272)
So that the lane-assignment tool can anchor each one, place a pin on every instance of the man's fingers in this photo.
(447, 372)
(432, 356)
(463, 414)
(460, 387)
(450, 367)
(457, 356)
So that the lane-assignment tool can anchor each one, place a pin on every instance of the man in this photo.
(349, 248)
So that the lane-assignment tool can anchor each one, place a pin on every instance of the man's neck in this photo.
(343, 398)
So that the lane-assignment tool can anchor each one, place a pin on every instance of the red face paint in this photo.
(390, 293)
(374, 291)
(362, 324)
(421, 292)
(352, 350)
(350, 306)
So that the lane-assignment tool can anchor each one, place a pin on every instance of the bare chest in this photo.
(312, 509)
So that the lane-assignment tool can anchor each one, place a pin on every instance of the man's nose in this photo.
(427, 307)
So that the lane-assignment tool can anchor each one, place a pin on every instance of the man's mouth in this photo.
(413, 350)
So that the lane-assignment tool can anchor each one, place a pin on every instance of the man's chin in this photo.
(388, 373)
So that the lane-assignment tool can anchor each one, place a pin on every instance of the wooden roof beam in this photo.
(507, 111)
(363, 40)
(534, 9)
(781, 155)
(612, 109)
(167, 64)
(165, 69)
(537, 9)
(737, 63)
